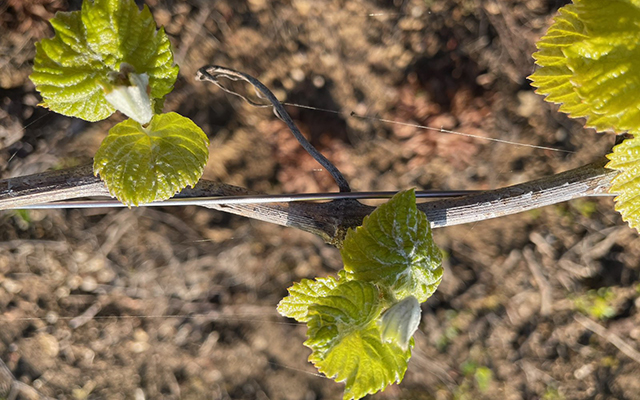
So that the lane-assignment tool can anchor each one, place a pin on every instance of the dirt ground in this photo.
(180, 302)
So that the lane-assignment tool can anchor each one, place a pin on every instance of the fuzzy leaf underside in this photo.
(395, 247)
(71, 68)
(144, 164)
(590, 63)
(346, 340)
(625, 158)
(302, 295)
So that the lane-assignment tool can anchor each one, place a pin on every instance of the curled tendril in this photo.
(212, 73)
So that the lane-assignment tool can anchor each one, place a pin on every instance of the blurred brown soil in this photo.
(180, 302)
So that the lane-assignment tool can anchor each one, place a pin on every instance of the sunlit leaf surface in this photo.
(302, 295)
(73, 69)
(590, 63)
(144, 164)
(395, 247)
(626, 159)
(347, 344)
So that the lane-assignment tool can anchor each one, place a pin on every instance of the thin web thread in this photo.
(24, 128)
(247, 318)
(297, 369)
(418, 126)
(190, 316)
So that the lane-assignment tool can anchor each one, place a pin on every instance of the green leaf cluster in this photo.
(360, 325)
(73, 69)
(625, 158)
(108, 56)
(590, 64)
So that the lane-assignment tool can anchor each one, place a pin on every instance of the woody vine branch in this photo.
(332, 219)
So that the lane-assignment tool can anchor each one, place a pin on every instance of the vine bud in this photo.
(128, 93)
(401, 321)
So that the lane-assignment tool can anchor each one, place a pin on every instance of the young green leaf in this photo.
(395, 247)
(302, 295)
(590, 63)
(73, 69)
(346, 340)
(144, 164)
(625, 158)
